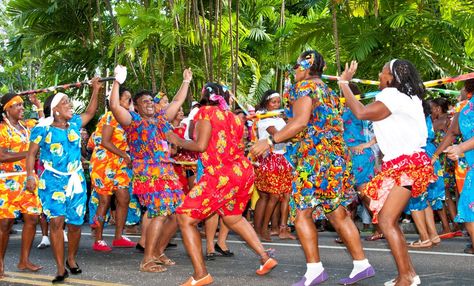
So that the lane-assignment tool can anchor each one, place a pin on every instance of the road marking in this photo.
(321, 246)
(24, 281)
(68, 280)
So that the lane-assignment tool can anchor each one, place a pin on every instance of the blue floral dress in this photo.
(362, 164)
(60, 153)
(319, 154)
(466, 200)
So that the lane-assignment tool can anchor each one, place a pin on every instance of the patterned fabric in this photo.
(274, 175)
(318, 153)
(225, 185)
(466, 200)
(362, 164)
(61, 149)
(108, 170)
(435, 195)
(407, 170)
(133, 214)
(184, 156)
(448, 167)
(154, 180)
(14, 198)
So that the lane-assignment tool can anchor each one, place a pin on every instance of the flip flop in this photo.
(375, 237)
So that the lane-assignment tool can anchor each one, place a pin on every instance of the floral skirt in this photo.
(160, 197)
(274, 175)
(466, 200)
(407, 170)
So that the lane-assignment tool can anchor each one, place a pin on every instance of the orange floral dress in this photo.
(14, 198)
(225, 186)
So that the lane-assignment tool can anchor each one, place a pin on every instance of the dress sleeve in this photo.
(110, 120)
(4, 136)
(390, 98)
(37, 134)
(204, 113)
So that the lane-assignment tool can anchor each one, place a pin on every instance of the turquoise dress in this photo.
(435, 195)
(466, 200)
(362, 164)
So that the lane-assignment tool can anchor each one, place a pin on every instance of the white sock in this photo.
(65, 236)
(359, 265)
(313, 270)
(45, 240)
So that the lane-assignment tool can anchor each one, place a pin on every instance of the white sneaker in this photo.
(44, 243)
(65, 236)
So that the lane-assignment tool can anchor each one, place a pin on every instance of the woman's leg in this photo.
(104, 204)
(192, 243)
(123, 199)
(154, 230)
(275, 220)
(430, 223)
(272, 202)
(388, 222)
(444, 220)
(284, 207)
(260, 207)
(5, 227)
(170, 226)
(223, 234)
(210, 226)
(57, 242)
(74, 238)
(145, 222)
(421, 224)
(27, 237)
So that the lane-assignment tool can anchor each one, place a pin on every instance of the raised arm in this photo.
(93, 103)
(121, 114)
(203, 128)
(374, 112)
(180, 97)
(39, 107)
(106, 142)
(449, 138)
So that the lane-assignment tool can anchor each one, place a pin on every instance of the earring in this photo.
(56, 113)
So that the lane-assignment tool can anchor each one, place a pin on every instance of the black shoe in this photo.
(74, 270)
(211, 256)
(140, 248)
(171, 245)
(60, 278)
(225, 253)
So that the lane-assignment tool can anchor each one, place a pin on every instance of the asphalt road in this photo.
(445, 264)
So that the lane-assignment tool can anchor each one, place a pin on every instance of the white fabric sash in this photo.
(74, 182)
(6, 175)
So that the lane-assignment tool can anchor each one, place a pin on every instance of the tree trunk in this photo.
(211, 52)
(376, 8)
(236, 64)
(219, 42)
(119, 33)
(180, 46)
(203, 46)
(231, 44)
(336, 37)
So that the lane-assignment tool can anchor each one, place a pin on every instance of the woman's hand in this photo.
(359, 149)
(260, 148)
(173, 138)
(30, 184)
(349, 71)
(96, 84)
(454, 152)
(187, 75)
(35, 101)
(128, 161)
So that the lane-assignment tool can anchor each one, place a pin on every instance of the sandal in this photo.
(421, 244)
(375, 237)
(436, 240)
(469, 250)
(339, 240)
(151, 266)
(206, 280)
(163, 259)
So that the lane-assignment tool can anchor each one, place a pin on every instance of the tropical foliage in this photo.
(247, 44)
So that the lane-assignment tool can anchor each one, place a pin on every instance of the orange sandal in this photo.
(206, 280)
(267, 266)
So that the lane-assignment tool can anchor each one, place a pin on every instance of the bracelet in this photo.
(343, 82)
(435, 157)
(269, 141)
(186, 80)
(28, 178)
(272, 140)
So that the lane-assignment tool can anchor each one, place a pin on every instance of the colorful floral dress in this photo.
(61, 187)
(319, 154)
(154, 180)
(14, 198)
(225, 185)
(109, 172)
(184, 156)
(274, 174)
(362, 164)
(448, 167)
(466, 200)
(435, 195)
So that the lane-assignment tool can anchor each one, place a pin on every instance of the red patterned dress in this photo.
(225, 186)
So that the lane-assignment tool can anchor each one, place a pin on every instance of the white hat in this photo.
(194, 103)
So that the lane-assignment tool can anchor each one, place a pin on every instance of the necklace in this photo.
(23, 133)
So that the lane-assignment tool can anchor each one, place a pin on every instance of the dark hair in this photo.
(426, 107)
(318, 62)
(407, 79)
(238, 111)
(469, 85)
(47, 105)
(141, 93)
(441, 102)
(122, 90)
(5, 99)
(213, 88)
(264, 100)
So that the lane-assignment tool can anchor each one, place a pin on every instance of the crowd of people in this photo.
(327, 158)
